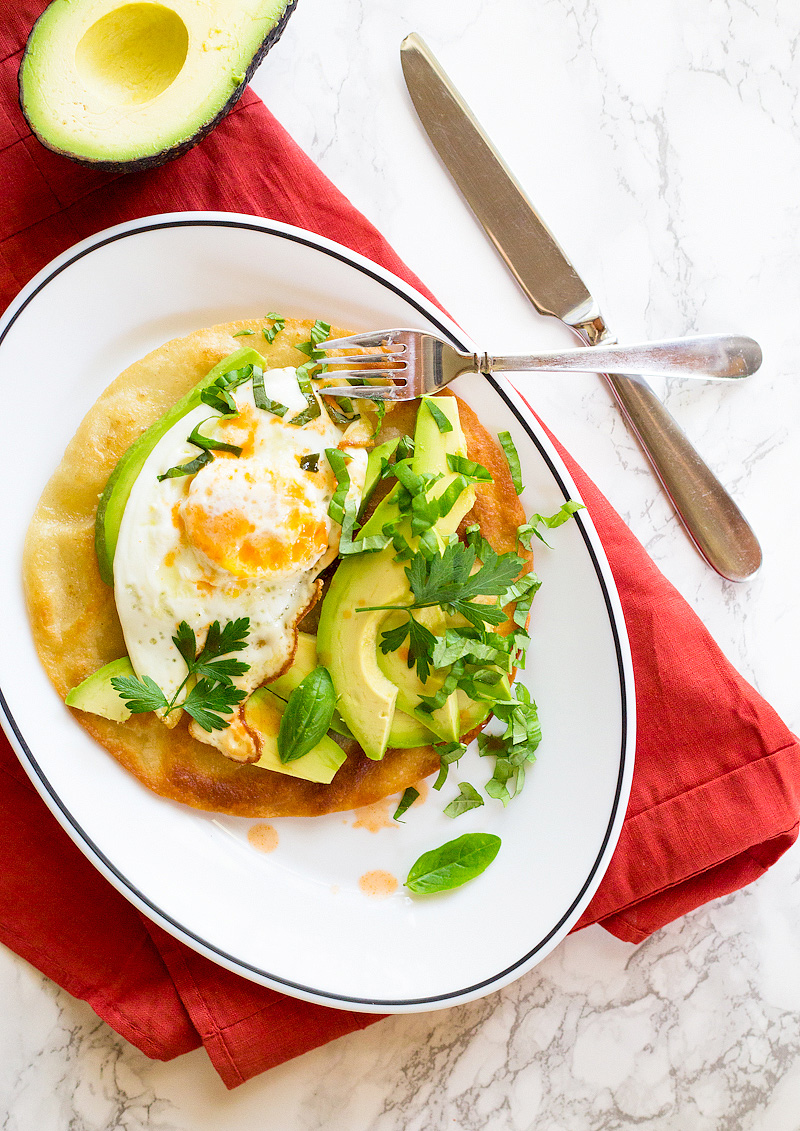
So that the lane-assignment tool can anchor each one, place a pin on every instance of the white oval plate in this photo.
(296, 919)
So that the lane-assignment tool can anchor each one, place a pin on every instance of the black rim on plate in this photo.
(83, 839)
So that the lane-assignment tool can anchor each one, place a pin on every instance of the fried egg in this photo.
(244, 536)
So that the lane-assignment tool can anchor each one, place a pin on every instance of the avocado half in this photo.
(123, 86)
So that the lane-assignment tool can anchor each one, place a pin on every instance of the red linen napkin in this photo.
(716, 791)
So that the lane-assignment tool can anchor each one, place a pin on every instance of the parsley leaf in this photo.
(213, 695)
(220, 641)
(140, 695)
(207, 702)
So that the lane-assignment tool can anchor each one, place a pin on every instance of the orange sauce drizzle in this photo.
(378, 884)
(264, 838)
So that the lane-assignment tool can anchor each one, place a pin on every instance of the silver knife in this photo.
(715, 524)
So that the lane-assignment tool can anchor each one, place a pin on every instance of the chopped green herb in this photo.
(448, 752)
(338, 462)
(512, 458)
(271, 332)
(453, 863)
(260, 398)
(189, 468)
(474, 471)
(442, 420)
(306, 388)
(410, 795)
(210, 445)
(243, 333)
(525, 533)
(217, 397)
(310, 462)
(468, 798)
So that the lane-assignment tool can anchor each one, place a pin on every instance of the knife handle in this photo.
(712, 519)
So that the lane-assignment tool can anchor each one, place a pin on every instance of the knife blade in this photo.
(712, 519)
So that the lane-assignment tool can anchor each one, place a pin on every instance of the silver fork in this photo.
(417, 362)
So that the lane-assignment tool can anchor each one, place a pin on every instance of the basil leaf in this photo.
(512, 459)
(442, 421)
(468, 798)
(470, 470)
(243, 333)
(310, 462)
(410, 795)
(187, 468)
(210, 445)
(260, 398)
(453, 864)
(308, 715)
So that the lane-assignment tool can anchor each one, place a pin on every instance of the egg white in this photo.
(163, 577)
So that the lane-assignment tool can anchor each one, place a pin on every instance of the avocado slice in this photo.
(98, 697)
(347, 641)
(445, 722)
(123, 86)
(118, 488)
(262, 715)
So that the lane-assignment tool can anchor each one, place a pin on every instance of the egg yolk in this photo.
(250, 520)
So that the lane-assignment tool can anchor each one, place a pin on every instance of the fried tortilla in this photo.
(74, 618)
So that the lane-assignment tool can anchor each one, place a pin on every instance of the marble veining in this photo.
(661, 143)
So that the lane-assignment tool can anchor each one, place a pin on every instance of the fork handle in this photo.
(711, 357)
(712, 519)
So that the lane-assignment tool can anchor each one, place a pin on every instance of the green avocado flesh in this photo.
(130, 85)
(262, 714)
(406, 731)
(96, 694)
(112, 502)
(348, 640)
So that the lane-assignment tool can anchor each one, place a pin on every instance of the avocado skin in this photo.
(152, 160)
(115, 495)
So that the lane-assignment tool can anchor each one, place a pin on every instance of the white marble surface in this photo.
(662, 143)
